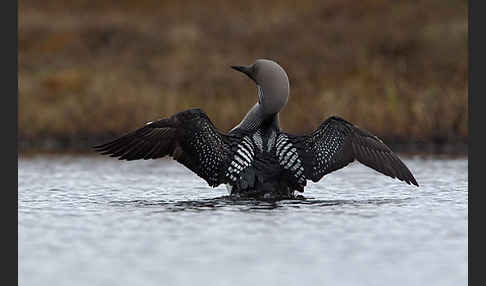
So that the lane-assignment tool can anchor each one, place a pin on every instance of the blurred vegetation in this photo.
(91, 70)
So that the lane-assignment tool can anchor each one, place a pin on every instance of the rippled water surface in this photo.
(100, 221)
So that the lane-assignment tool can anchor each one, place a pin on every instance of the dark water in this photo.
(100, 221)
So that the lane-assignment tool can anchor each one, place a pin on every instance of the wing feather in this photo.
(189, 137)
(336, 143)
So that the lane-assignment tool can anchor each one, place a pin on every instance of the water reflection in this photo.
(85, 221)
(229, 203)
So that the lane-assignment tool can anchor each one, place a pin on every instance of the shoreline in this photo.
(82, 146)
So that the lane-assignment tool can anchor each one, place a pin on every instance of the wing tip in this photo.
(98, 147)
(414, 182)
(410, 180)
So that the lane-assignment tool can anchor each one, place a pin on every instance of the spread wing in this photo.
(336, 143)
(189, 137)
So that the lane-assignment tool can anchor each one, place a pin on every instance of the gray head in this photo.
(272, 82)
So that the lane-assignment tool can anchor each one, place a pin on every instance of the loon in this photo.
(256, 159)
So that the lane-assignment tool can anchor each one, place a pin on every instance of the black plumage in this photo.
(240, 160)
(189, 137)
(336, 143)
(256, 158)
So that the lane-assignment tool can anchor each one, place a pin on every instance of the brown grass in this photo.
(91, 69)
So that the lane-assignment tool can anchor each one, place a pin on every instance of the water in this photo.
(100, 221)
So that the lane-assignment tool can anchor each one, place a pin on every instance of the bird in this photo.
(256, 159)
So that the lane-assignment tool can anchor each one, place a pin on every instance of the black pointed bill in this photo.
(241, 68)
(244, 69)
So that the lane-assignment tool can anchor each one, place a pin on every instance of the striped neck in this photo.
(256, 118)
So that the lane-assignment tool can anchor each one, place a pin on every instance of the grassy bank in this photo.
(92, 70)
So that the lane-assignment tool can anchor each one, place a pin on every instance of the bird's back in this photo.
(256, 158)
(255, 170)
